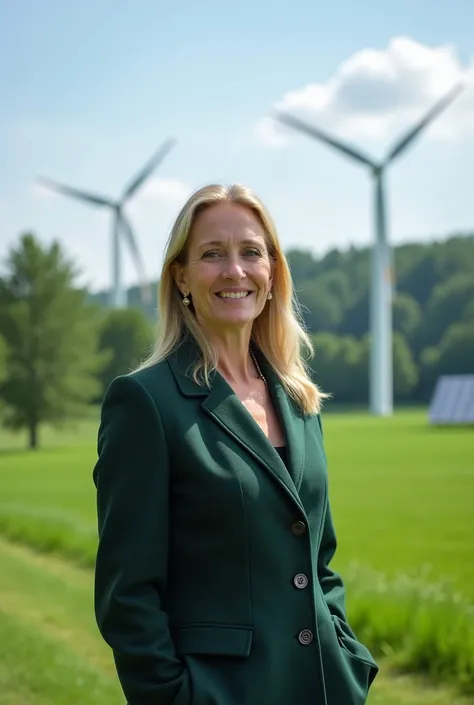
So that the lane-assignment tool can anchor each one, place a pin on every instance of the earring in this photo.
(269, 295)
(186, 301)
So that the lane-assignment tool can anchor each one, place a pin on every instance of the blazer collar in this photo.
(181, 361)
(224, 407)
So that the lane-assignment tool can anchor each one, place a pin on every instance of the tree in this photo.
(447, 304)
(356, 319)
(321, 310)
(51, 333)
(406, 315)
(3, 360)
(352, 363)
(468, 314)
(324, 364)
(336, 367)
(405, 371)
(420, 268)
(416, 271)
(125, 335)
(454, 355)
(302, 264)
(336, 282)
(3, 368)
(455, 256)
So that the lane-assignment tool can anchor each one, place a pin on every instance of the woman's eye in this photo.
(211, 254)
(249, 252)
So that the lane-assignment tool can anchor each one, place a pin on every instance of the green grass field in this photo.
(402, 496)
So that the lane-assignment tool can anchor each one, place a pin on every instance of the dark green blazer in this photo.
(213, 583)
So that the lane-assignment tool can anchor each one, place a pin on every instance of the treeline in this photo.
(433, 316)
(60, 347)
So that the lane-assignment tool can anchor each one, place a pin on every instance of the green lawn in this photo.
(402, 492)
(402, 496)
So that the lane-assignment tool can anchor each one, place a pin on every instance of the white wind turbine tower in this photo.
(381, 363)
(121, 228)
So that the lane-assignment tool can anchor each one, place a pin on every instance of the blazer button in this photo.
(298, 528)
(305, 637)
(300, 580)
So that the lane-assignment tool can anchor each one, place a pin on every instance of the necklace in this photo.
(257, 366)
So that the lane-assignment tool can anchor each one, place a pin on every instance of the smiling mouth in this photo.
(233, 295)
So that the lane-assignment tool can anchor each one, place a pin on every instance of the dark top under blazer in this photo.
(212, 582)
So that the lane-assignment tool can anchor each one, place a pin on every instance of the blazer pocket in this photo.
(355, 649)
(213, 639)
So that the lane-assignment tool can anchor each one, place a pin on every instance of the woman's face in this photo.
(228, 271)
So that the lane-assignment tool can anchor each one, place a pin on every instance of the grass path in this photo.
(50, 651)
(46, 619)
(35, 669)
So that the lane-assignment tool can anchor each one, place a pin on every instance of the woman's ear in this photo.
(177, 270)
(270, 281)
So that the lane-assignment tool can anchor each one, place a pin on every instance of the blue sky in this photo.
(90, 89)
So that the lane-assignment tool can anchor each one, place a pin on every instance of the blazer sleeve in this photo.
(331, 582)
(132, 477)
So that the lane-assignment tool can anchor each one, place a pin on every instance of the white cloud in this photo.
(169, 190)
(378, 92)
(267, 132)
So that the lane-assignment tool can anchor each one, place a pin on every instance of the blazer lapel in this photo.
(224, 407)
(229, 412)
(291, 419)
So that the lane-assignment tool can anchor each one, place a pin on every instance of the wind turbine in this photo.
(381, 363)
(121, 228)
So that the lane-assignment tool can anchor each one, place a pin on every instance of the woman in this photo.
(213, 584)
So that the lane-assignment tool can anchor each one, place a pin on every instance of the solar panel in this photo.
(453, 400)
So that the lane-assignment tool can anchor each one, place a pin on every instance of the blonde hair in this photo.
(277, 331)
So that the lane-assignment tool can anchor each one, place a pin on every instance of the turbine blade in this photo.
(133, 245)
(318, 134)
(150, 165)
(94, 198)
(441, 105)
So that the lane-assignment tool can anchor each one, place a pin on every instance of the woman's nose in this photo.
(234, 269)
